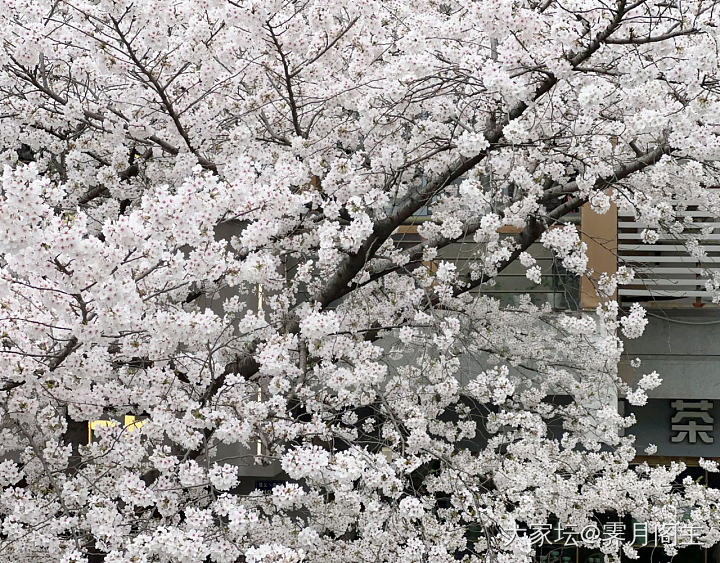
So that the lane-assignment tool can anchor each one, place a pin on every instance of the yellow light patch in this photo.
(129, 422)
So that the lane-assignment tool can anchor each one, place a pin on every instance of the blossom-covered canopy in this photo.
(199, 223)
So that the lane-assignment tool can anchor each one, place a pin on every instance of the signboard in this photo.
(266, 485)
(678, 427)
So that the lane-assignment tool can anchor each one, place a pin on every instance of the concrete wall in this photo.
(684, 348)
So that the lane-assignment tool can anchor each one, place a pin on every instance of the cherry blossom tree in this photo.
(198, 227)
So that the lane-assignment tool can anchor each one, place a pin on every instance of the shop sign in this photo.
(678, 427)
